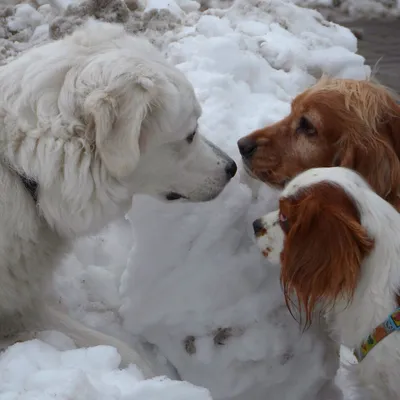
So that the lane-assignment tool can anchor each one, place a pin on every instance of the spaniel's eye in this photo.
(190, 137)
(284, 223)
(305, 127)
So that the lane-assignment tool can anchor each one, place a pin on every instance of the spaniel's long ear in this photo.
(115, 114)
(323, 250)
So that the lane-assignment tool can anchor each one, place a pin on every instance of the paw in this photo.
(219, 336)
(189, 344)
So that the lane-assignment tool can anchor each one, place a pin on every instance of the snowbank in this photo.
(187, 279)
(36, 370)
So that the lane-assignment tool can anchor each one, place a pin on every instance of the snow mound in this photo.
(21, 27)
(37, 370)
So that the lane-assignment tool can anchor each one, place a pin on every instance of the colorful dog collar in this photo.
(390, 325)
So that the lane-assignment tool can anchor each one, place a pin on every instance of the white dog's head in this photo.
(144, 113)
(111, 118)
(176, 161)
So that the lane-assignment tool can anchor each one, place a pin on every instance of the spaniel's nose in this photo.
(258, 227)
(247, 147)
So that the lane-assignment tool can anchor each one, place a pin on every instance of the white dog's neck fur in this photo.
(375, 295)
(62, 200)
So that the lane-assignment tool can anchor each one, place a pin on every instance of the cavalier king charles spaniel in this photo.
(338, 245)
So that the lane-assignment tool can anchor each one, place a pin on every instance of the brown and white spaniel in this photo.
(338, 244)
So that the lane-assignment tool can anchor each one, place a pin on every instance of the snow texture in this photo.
(37, 370)
(187, 279)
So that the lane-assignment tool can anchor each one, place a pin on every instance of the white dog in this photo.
(338, 243)
(85, 123)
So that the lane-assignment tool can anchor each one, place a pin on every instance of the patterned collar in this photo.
(390, 325)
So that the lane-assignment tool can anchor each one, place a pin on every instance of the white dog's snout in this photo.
(230, 165)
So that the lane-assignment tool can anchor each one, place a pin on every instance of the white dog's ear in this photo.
(116, 115)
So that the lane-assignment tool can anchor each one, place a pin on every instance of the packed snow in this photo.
(185, 279)
(37, 370)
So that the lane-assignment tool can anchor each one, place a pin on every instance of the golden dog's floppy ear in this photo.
(375, 152)
(393, 124)
(115, 114)
(378, 164)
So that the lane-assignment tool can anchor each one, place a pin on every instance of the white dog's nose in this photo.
(231, 169)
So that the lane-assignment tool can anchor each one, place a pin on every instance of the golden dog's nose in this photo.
(247, 146)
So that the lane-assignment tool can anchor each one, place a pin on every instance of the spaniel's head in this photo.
(318, 237)
(337, 122)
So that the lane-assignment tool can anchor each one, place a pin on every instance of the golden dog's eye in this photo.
(283, 222)
(190, 138)
(305, 127)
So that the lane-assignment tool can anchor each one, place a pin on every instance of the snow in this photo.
(37, 370)
(25, 16)
(171, 6)
(187, 279)
(353, 9)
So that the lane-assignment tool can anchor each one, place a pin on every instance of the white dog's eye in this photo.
(190, 138)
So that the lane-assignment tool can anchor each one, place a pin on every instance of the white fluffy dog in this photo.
(85, 123)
